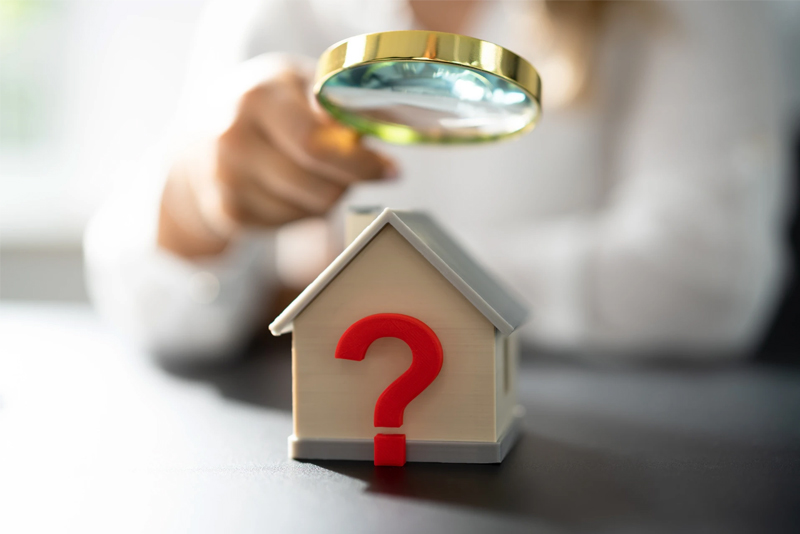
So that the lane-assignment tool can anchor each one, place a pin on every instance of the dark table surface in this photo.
(97, 437)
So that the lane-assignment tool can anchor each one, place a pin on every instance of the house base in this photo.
(459, 452)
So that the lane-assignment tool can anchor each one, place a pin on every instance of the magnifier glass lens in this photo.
(437, 101)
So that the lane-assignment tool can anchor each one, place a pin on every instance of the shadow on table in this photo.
(261, 376)
(573, 486)
(611, 446)
(638, 449)
(572, 478)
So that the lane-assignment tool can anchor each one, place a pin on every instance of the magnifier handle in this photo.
(336, 137)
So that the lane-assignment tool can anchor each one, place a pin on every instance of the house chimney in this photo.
(358, 218)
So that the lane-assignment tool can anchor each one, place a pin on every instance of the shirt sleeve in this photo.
(686, 253)
(179, 309)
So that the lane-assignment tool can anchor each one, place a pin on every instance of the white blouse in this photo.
(646, 218)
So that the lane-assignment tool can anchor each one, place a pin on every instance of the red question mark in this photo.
(426, 351)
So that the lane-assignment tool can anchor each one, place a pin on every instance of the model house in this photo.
(403, 263)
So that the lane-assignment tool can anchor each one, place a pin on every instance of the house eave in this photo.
(285, 321)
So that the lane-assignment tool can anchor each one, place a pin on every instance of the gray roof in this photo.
(484, 292)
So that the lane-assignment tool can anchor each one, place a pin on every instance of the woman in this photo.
(641, 216)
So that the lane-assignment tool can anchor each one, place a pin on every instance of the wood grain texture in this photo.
(336, 398)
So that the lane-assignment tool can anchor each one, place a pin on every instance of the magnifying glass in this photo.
(428, 87)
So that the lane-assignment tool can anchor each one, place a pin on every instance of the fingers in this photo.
(252, 159)
(252, 206)
(279, 160)
(274, 187)
(282, 112)
(341, 148)
(280, 176)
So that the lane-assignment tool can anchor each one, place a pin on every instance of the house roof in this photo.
(496, 304)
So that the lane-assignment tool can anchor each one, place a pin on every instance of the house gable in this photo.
(336, 398)
(444, 254)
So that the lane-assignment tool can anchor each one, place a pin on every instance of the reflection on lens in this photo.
(426, 100)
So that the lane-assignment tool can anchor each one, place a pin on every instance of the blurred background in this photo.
(86, 86)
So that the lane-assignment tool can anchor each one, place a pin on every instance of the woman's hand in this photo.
(275, 159)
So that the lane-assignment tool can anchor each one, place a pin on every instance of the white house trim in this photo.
(478, 287)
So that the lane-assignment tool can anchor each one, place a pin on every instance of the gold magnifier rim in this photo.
(421, 45)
